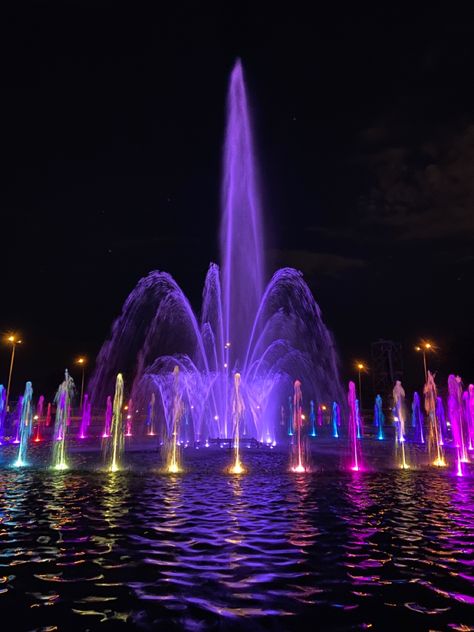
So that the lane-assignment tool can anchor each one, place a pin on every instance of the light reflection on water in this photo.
(203, 550)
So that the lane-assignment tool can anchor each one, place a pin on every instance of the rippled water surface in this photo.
(266, 551)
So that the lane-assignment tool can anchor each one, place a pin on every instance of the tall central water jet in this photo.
(241, 242)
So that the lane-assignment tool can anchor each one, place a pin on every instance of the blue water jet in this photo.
(379, 418)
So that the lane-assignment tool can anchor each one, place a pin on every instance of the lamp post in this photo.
(360, 367)
(14, 341)
(82, 363)
(423, 348)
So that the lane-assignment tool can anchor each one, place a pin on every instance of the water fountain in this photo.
(440, 415)
(312, 420)
(113, 444)
(319, 416)
(25, 425)
(39, 418)
(150, 422)
(434, 408)
(63, 406)
(379, 418)
(290, 416)
(399, 418)
(266, 334)
(335, 419)
(299, 451)
(417, 418)
(238, 410)
(173, 461)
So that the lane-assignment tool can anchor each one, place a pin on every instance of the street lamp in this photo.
(424, 348)
(360, 367)
(82, 363)
(13, 341)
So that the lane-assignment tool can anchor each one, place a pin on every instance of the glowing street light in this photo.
(13, 341)
(424, 348)
(82, 361)
(360, 366)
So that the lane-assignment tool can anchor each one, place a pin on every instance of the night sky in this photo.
(111, 142)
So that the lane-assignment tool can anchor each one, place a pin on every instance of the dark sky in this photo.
(111, 143)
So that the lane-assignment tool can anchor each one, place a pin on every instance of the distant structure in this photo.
(387, 365)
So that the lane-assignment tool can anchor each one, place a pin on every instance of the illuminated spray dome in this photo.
(270, 334)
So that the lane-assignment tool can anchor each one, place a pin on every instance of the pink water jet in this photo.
(353, 428)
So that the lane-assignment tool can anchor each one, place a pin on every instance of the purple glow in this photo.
(268, 336)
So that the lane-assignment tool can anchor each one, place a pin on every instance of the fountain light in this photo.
(237, 468)
(298, 468)
(60, 467)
